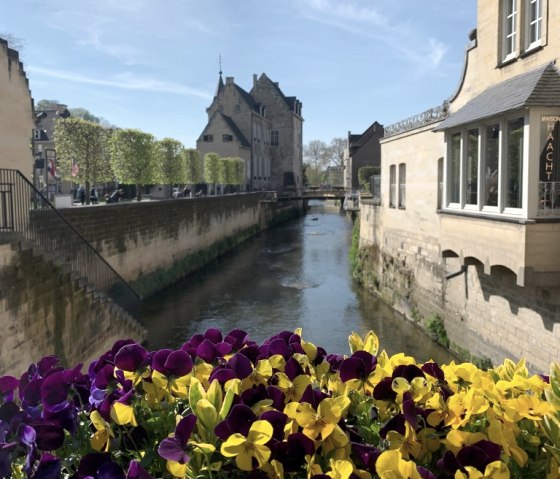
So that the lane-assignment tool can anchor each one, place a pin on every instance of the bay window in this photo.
(485, 167)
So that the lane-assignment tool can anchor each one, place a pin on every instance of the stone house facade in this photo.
(17, 118)
(362, 150)
(263, 127)
(468, 226)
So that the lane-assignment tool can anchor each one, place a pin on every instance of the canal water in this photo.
(294, 275)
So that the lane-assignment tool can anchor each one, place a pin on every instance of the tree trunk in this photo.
(138, 192)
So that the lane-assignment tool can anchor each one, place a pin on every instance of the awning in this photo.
(537, 88)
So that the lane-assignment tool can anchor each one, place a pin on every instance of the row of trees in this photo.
(319, 156)
(89, 153)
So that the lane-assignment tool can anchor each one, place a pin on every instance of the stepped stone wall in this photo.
(45, 310)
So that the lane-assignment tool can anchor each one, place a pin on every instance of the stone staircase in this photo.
(45, 308)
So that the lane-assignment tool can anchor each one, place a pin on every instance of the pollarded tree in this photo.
(132, 158)
(194, 167)
(169, 161)
(239, 171)
(212, 168)
(82, 151)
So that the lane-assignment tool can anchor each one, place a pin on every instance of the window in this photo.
(36, 134)
(392, 185)
(402, 185)
(514, 163)
(533, 15)
(509, 29)
(208, 138)
(274, 137)
(227, 138)
(521, 27)
(485, 166)
(455, 169)
(472, 167)
(492, 165)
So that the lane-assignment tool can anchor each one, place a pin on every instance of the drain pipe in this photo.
(461, 271)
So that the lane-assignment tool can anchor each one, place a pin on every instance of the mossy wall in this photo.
(154, 244)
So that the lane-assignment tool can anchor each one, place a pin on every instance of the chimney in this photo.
(229, 80)
(254, 79)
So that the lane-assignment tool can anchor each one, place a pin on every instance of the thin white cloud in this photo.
(399, 36)
(125, 81)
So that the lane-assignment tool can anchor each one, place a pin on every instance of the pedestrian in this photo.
(82, 194)
(186, 191)
(93, 196)
(116, 196)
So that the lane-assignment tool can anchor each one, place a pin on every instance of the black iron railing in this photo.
(26, 213)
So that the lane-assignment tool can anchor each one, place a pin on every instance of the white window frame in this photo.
(481, 208)
(530, 21)
(392, 186)
(509, 40)
(402, 186)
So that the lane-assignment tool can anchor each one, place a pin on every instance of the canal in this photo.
(294, 275)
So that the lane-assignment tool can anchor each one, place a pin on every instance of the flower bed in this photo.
(223, 406)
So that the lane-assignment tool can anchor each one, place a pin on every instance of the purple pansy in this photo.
(291, 453)
(131, 357)
(172, 363)
(175, 448)
(239, 420)
(359, 366)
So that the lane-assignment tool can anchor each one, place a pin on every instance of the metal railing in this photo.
(427, 117)
(549, 198)
(25, 212)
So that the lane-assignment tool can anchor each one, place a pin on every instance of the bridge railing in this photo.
(26, 212)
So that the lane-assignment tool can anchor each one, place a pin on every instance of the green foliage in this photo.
(355, 248)
(132, 158)
(364, 175)
(169, 161)
(194, 167)
(436, 328)
(212, 168)
(84, 114)
(85, 144)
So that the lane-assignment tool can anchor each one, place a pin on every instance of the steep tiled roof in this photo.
(236, 131)
(539, 87)
(247, 97)
(48, 122)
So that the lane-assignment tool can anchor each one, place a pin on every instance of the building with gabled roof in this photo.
(362, 150)
(16, 113)
(262, 127)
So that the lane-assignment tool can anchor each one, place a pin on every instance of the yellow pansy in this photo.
(340, 469)
(293, 390)
(245, 449)
(392, 465)
(494, 470)
(456, 439)
(369, 343)
(123, 414)
(505, 436)
(102, 437)
(261, 373)
(321, 422)
(408, 444)
(530, 407)
(172, 387)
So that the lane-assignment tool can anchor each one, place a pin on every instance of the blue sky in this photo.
(153, 64)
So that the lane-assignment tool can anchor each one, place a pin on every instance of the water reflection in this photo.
(295, 275)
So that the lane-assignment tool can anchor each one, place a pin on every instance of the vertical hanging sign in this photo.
(549, 161)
